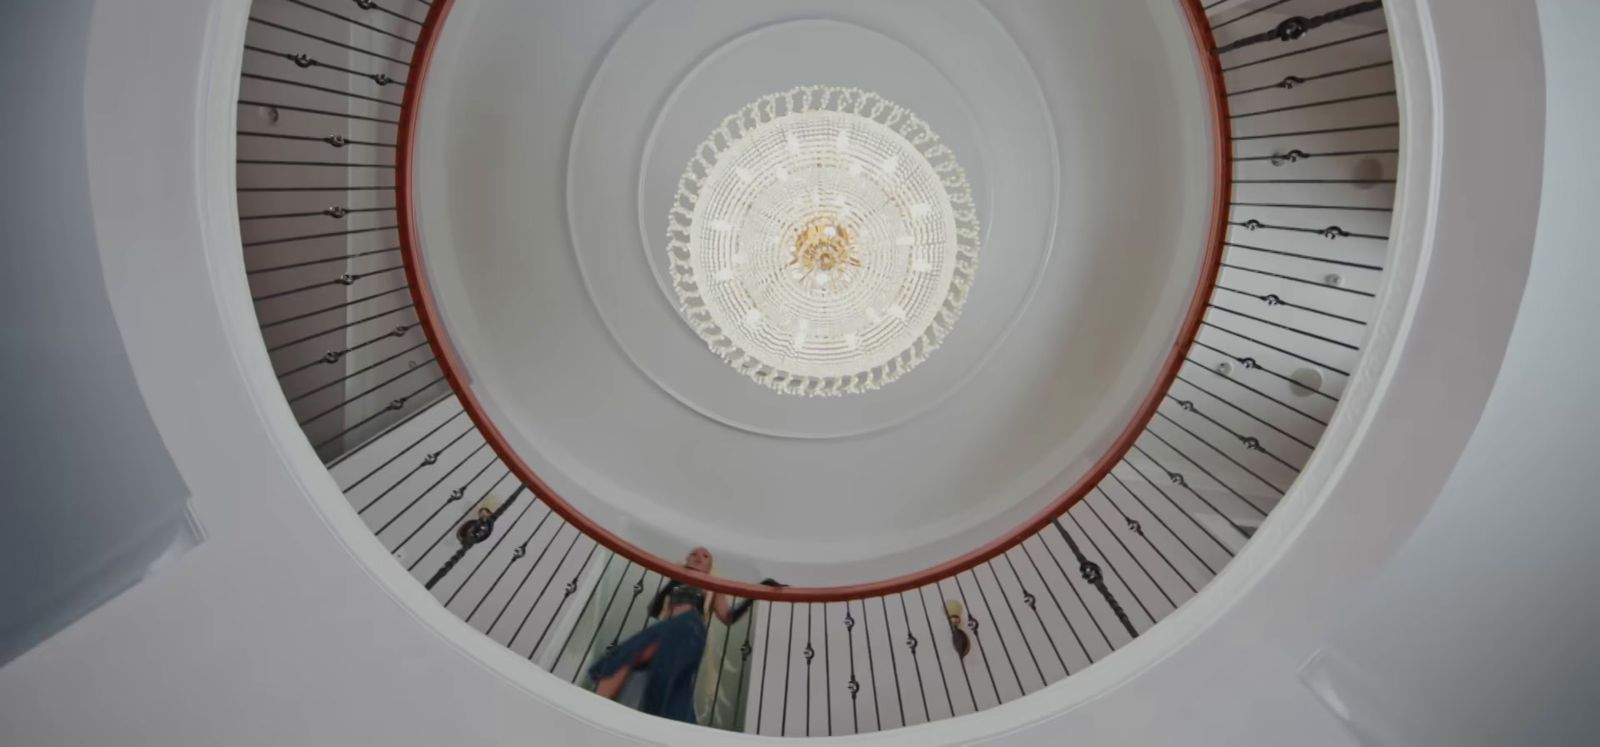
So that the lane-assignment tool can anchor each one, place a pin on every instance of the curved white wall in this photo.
(1482, 630)
(71, 536)
(290, 626)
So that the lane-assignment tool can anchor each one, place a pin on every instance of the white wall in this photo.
(1483, 631)
(89, 495)
(291, 625)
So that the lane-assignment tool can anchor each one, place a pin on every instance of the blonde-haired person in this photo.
(672, 647)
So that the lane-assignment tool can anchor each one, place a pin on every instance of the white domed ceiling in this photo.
(552, 146)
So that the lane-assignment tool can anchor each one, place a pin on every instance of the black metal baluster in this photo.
(336, 212)
(1243, 385)
(425, 491)
(331, 357)
(306, 61)
(1321, 131)
(1192, 406)
(331, 188)
(1032, 603)
(1000, 634)
(391, 460)
(351, 21)
(1113, 566)
(1305, 257)
(1092, 574)
(394, 404)
(567, 592)
(638, 591)
(526, 506)
(1050, 590)
(486, 528)
(312, 236)
(1318, 283)
(766, 655)
(311, 87)
(375, 387)
(872, 667)
(1005, 600)
(455, 495)
(1136, 528)
(373, 5)
(347, 325)
(888, 635)
(1247, 14)
(1178, 479)
(1296, 155)
(428, 460)
(1140, 499)
(1250, 362)
(1287, 328)
(1249, 443)
(1075, 593)
(912, 643)
(744, 671)
(827, 669)
(347, 279)
(553, 536)
(1293, 28)
(788, 661)
(518, 553)
(810, 653)
(853, 685)
(599, 624)
(326, 40)
(1275, 299)
(321, 112)
(1305, 50)
(1292, 81)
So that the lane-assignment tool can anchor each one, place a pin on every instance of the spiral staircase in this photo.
(1243, 313)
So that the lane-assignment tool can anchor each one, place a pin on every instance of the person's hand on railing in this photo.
(742, 607)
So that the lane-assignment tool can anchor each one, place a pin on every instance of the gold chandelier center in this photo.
(824, 248)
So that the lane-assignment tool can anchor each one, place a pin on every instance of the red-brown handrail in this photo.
(433, 326)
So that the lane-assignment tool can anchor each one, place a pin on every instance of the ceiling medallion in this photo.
(823, 241)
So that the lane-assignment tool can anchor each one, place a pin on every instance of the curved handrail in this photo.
(429, 319)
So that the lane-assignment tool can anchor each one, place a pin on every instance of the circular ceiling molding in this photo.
(823, 241)
(549, 262)
(708, 72)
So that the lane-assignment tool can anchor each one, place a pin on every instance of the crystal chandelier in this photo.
(823, 241)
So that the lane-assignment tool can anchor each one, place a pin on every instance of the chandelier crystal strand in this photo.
(822, 241)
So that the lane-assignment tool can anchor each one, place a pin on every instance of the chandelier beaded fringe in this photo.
(841, 280)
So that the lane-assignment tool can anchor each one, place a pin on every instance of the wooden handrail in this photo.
(433, 326)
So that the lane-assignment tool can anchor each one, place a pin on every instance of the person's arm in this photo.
(720, 608)
(732, 614)
(660, 600)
